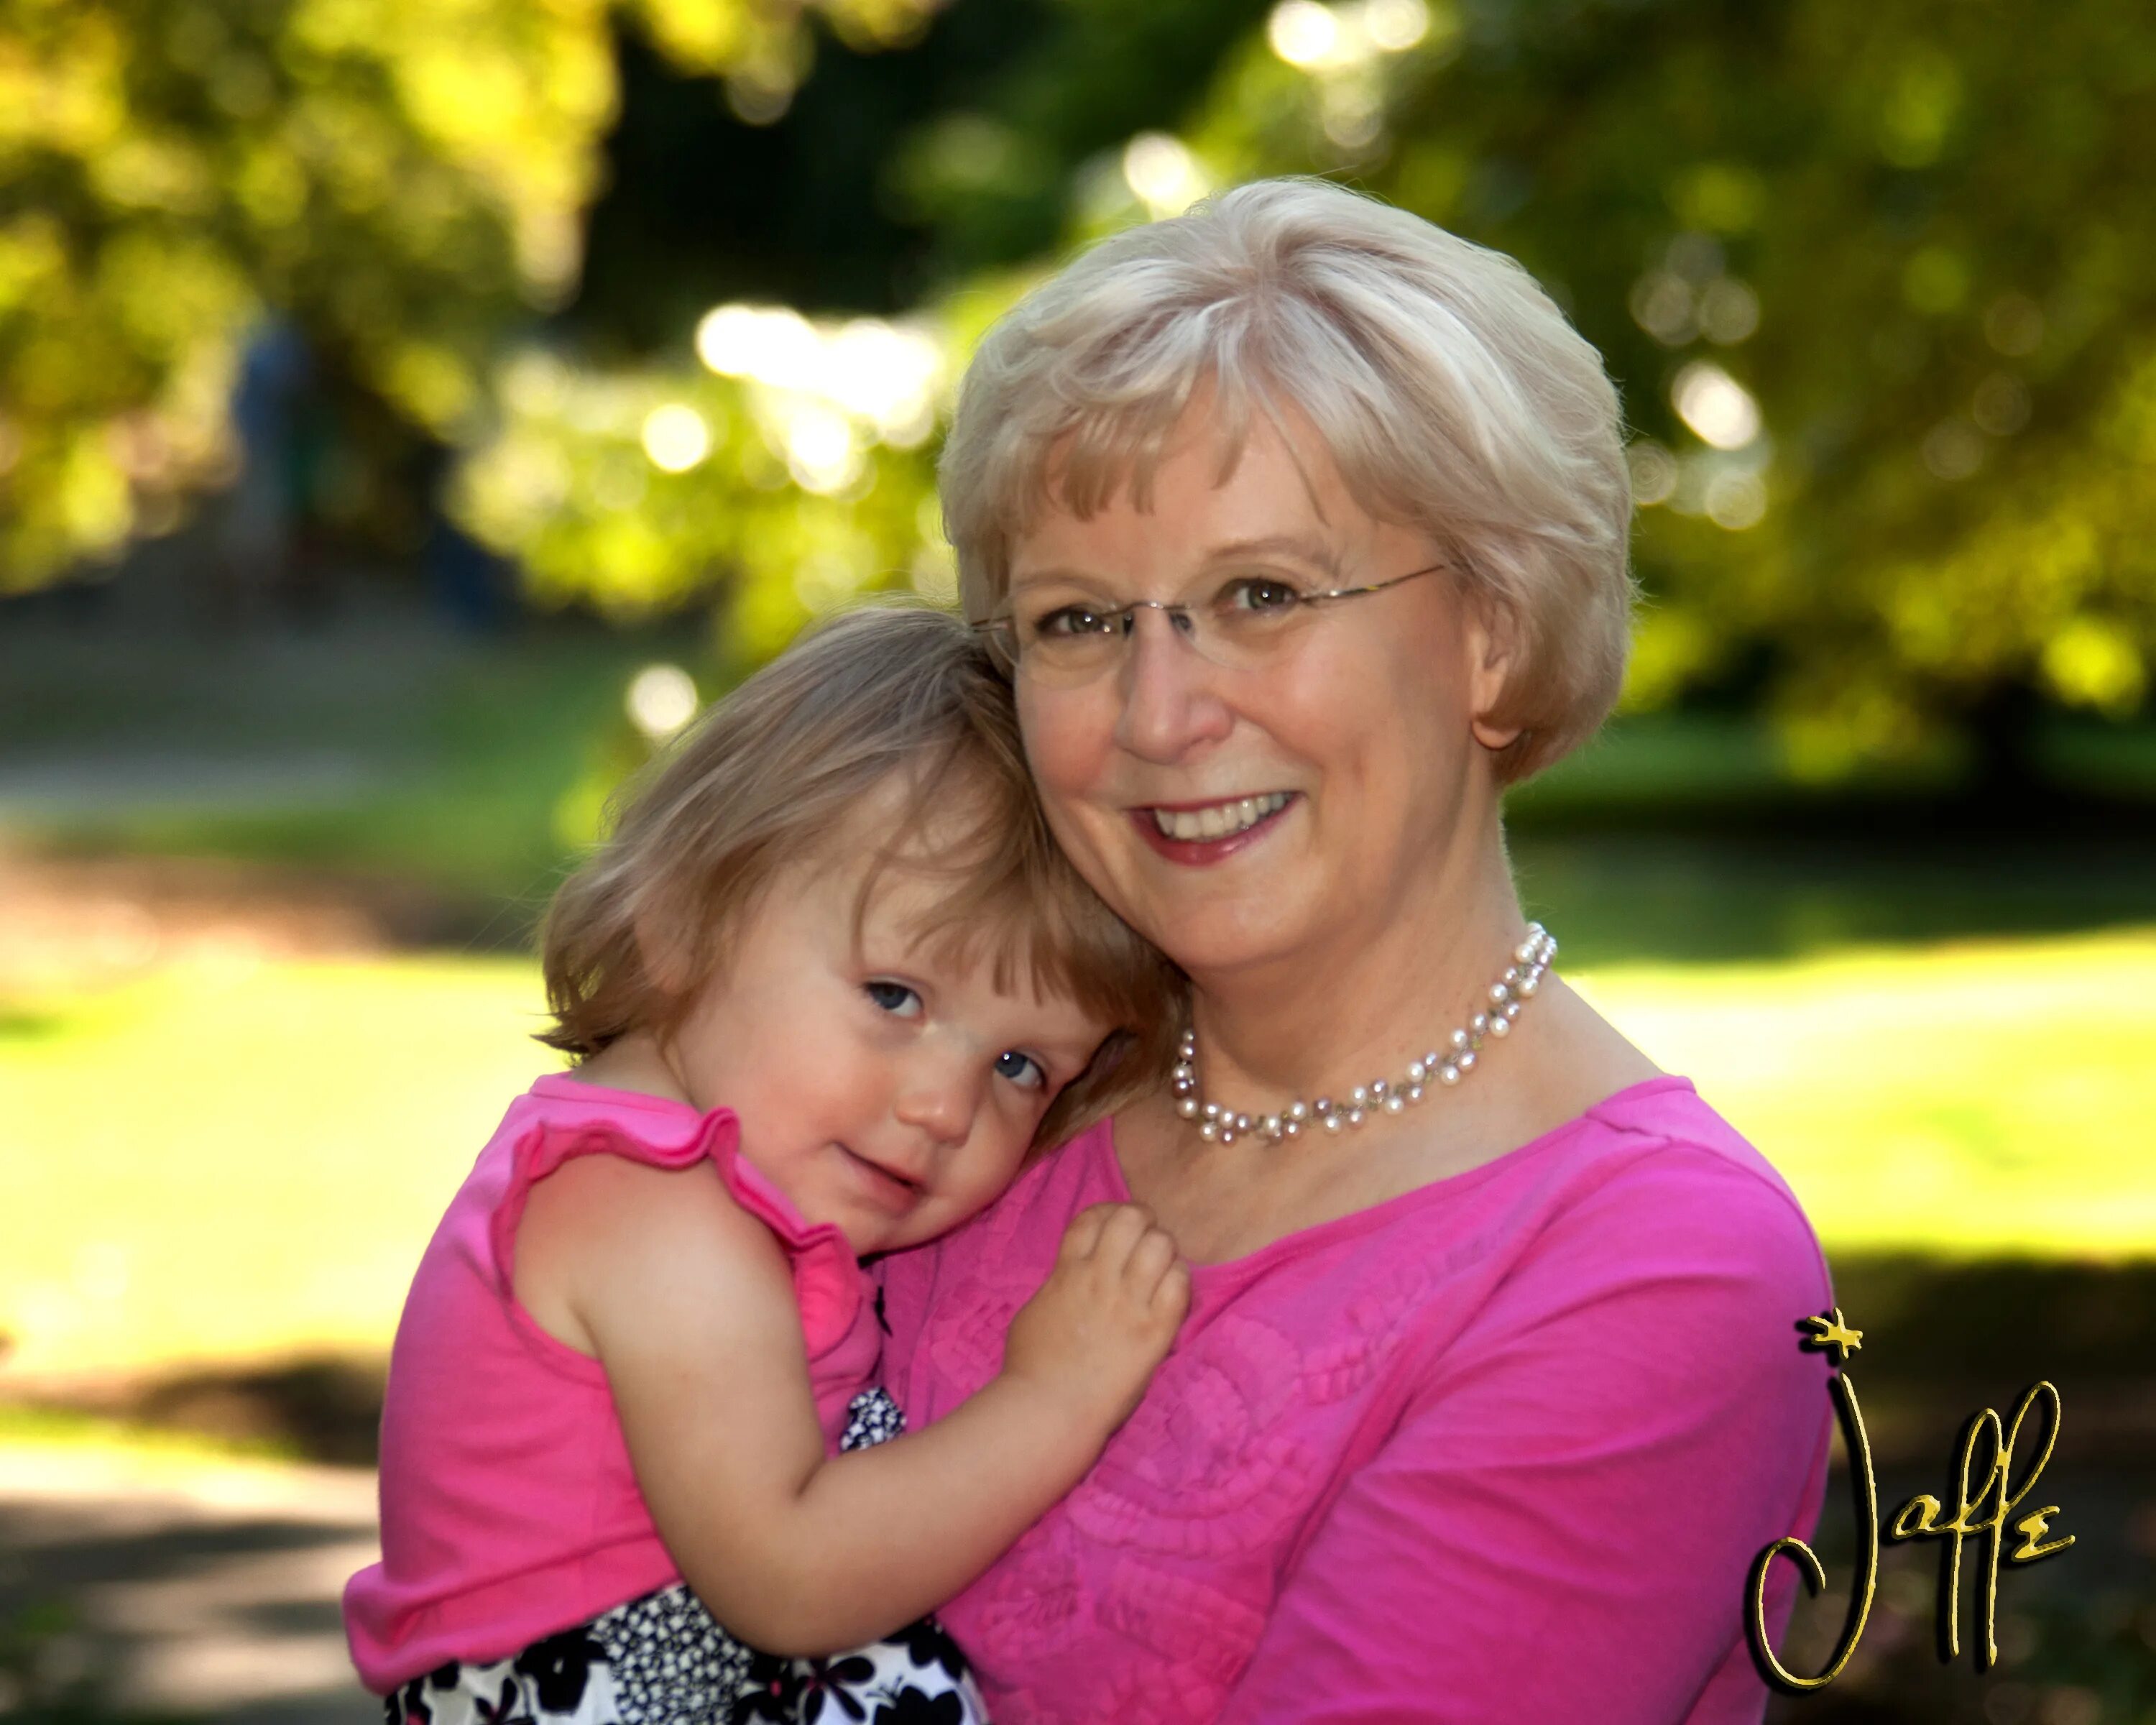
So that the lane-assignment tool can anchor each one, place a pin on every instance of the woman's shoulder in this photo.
(1660, 1140)
(1653, 1192)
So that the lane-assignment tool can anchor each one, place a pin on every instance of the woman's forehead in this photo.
(1202, 500)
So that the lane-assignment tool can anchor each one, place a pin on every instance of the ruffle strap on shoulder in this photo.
(828, 1283)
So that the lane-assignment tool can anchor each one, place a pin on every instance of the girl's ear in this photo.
(664, 948)
(1493, 651)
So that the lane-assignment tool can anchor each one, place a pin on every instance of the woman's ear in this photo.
(1493, 651)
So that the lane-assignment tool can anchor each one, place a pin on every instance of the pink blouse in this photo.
(1500, 1449)
(509, 1508)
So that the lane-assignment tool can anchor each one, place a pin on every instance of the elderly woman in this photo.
(1302, 526)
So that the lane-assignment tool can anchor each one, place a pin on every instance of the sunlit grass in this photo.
(219, 1163)
(235, 1163)
(1983, 1096)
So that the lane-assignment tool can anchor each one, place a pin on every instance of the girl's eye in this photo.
(1260, 595)
(1021, 1069)
(894, 997)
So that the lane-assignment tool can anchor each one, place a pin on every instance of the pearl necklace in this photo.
(1507, 994)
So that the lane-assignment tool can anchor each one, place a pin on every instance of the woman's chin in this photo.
(1209, 941)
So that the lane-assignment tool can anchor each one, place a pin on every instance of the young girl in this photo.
(828, 983)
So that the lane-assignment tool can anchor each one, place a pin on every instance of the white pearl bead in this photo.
(1359, 1096)
(1188, 1107)
(1271, 1126)
(1333, 1122)
(1466, 1061)
(1212, 1111)
(1460, 1039)
(1525, 952)
(1449, 1073)
(1323, 1105)
(1242, 1122)
(1430, 1062)
(1183, 1072)
(1528, 984)
(1291, 1128)
(1209, 1130)
(1394, 1104)
(1511, 1012)
(1499, 994)
(1414, 1093)
(1417, 1071)
(1479, 1025)
(1511, 974)
(1298, 1109)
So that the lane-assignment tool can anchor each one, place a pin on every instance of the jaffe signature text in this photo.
(1986, 1496)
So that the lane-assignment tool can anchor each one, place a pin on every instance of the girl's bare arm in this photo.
(688, 1303)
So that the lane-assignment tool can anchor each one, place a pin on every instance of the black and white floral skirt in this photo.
(662, 1661)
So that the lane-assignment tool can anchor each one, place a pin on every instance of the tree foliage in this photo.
(1877, 277)
(404, 180)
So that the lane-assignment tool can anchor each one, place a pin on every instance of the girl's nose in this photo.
(1169, 701)
(939, 1099)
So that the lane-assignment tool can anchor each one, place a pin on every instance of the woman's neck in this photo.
(1383, 989)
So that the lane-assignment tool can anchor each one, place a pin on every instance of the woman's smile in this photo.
(1199, 834)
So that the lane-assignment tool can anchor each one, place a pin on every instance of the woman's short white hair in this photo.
(1448, 389)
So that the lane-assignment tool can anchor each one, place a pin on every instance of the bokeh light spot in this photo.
(1163, 173)
(1736, 500)
(661, 699)
(1720, 410)
(2013, 325)
(1729, 311)
(1953, 450)
(675, 438)
(1654, 473)
(2001, 405)
(1396, 25)
(1303, 32)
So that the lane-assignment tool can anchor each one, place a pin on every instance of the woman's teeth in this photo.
(1221, 820)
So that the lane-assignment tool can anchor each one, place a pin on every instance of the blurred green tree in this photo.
(400, 180)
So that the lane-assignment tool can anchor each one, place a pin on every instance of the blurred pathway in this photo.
(191, 1586)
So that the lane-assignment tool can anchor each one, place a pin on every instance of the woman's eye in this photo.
(1065, 621)
(1259, 594)
(1021, 1069)
(894, 997)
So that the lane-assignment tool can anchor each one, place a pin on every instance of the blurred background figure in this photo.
(402, 431)
(255, 565)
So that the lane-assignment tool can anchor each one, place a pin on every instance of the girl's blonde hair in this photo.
(883, 708)
(1445, 384)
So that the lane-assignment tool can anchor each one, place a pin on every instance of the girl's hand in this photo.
(1106, 1317)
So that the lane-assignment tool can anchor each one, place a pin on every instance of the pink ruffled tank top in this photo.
(509, 1509)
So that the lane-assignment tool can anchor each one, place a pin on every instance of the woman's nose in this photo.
(1169, 703)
